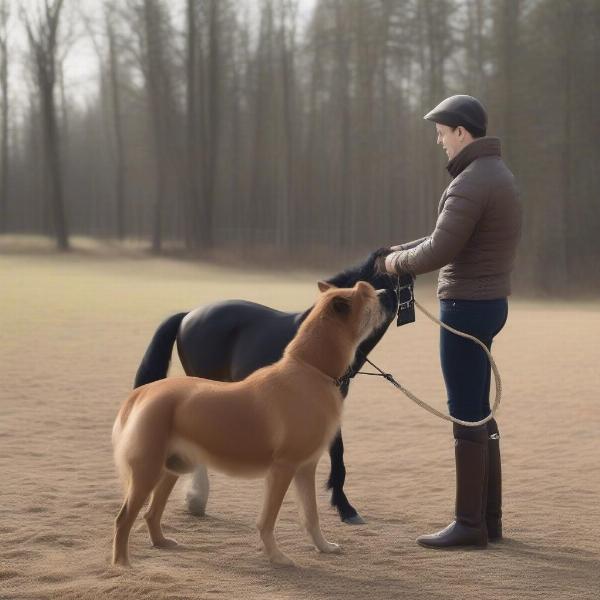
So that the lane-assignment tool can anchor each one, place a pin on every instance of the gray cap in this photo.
(460, 110)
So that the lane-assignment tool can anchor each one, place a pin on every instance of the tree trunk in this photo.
(43, 44)
(194, 197)
(345, 200)
(5, 116)
(285, 204)
(52, 154)
(115, 94)
(213, 125)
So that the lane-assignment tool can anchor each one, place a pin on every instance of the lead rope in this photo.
(429, 408)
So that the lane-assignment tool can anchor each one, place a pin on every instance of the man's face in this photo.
(452, 140)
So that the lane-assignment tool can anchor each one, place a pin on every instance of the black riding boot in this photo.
(493, 515)
(469, 527)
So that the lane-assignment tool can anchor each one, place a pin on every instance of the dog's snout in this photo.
(381, 292)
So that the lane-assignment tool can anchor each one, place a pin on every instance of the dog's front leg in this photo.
(277, 482)
(305, 486)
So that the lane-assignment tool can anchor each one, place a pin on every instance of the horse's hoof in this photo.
(196, 506)
(355, 520)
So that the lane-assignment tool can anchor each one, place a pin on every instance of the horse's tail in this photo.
(155, 364)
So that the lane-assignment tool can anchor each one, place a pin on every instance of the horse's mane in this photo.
(364, 271)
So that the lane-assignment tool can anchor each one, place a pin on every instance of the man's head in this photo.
(452, 139)
(459, 120)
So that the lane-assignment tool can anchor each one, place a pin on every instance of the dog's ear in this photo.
(324, 286)
(341, 306)
(364, 287)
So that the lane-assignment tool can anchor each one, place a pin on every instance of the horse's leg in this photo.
(196, 495)
(337, 477)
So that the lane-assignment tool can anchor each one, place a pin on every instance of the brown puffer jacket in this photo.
(478, 228)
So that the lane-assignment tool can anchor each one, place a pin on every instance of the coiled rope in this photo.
(428, 407)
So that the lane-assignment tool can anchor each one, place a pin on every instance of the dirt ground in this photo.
(72, 331)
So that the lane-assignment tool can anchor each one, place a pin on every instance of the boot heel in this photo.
(494, 529)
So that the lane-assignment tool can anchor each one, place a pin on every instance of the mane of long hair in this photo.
(365, 271)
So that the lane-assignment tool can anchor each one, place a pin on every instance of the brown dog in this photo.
(276, 423)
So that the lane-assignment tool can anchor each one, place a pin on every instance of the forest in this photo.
(296, 130)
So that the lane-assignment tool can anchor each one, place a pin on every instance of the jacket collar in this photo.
(485, 146)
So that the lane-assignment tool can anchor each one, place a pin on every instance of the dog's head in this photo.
(360, 310)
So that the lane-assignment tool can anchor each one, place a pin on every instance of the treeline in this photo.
(224, 124)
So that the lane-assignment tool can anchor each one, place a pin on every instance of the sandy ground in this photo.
(72, 331)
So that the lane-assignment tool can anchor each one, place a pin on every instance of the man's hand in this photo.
(382, 253)
(390, 263)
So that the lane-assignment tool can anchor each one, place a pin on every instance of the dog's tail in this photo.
(122, 436)
(123, 469)
(156, 360)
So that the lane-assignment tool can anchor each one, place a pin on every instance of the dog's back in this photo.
(281, 411)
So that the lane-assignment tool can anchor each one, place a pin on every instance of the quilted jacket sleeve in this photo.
(408, 245)
(453, 229)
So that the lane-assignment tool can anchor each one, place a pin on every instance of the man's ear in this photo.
(341, 305)
(324, 286)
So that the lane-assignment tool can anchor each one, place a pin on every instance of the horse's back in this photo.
(229, 340)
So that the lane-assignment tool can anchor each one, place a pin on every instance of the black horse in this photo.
(226, 341)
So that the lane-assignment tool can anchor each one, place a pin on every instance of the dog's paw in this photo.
(121, 563)
(330, 548)
(165, 543)
(281, 560)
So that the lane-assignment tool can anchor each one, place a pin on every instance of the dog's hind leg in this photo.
(305, 486)
(277, 482)
(140, 486)
(160, 495)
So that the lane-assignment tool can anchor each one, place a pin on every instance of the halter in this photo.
(406, 314)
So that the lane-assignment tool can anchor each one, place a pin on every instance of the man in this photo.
(474, 244)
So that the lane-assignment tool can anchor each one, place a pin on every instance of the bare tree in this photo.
(117, 118)
(195, 172)
(473, 34)
(508, 41)
(153, 52)
(288, 11)
(213, 129)
(42, 33)
(345, 199)
(4, 18)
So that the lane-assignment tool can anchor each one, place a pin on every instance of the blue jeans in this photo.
(465, 365)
